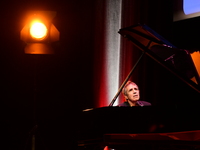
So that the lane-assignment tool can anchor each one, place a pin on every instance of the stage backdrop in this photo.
(115, 56)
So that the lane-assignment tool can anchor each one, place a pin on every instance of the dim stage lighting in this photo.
(39, 33)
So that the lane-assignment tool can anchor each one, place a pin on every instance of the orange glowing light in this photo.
(39, 33)
(38, 30)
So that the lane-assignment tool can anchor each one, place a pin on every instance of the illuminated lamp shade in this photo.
(39, 33)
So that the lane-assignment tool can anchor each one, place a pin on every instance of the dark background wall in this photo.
(52, 87)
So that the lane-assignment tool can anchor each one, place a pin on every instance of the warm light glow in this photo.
(38, 30)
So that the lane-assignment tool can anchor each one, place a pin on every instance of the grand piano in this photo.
(173, 127)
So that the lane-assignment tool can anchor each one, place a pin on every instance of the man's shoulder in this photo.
(124, 104)
(144, 103)
(139, 102)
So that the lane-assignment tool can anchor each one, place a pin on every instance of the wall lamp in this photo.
(39, 33)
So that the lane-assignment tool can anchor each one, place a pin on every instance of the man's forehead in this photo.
(131, 85)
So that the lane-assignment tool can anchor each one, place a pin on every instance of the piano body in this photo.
(118, 128)
(153, 127)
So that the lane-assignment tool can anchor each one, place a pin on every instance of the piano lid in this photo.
(177, 61)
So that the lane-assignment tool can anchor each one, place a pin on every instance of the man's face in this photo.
(132, 92)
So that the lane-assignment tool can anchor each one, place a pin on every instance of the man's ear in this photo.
(126, 98)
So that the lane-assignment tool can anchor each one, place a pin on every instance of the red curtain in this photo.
(158, 16)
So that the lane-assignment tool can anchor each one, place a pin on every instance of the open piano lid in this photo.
(177, 61)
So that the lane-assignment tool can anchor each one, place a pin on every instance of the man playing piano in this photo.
(131, 94)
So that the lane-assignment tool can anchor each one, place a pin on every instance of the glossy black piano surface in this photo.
(154, 119)
(175, 60)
